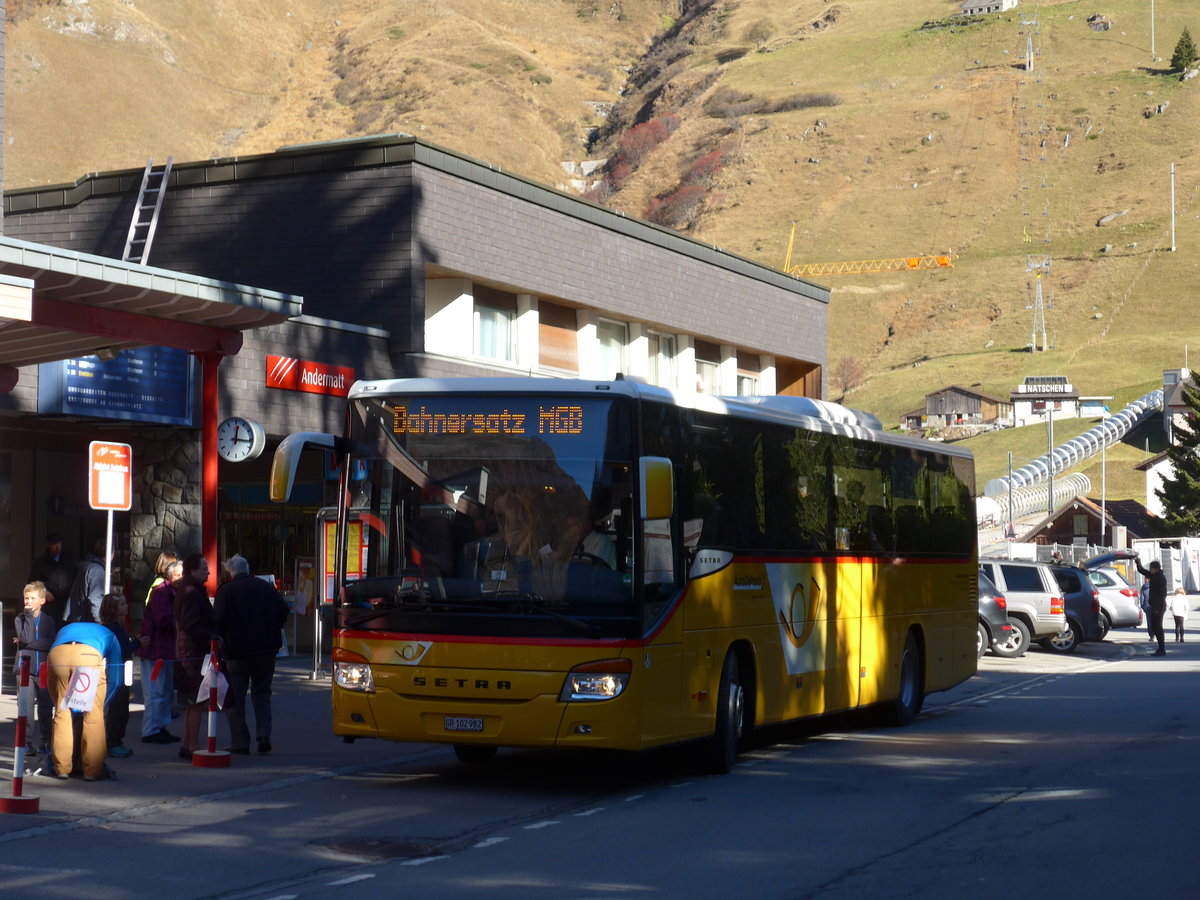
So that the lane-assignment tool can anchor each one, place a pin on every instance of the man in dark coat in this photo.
(250, 618)
(56, 570)
(1157, 579)
(89, 588)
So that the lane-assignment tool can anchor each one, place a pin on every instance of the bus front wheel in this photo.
(911, 694)
(731, 715)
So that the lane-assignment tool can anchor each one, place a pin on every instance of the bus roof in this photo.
(804, 412)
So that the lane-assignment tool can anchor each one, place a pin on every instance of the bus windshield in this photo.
(491, 515)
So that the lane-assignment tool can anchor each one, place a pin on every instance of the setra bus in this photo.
(544, 562)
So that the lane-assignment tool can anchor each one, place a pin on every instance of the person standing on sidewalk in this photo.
(1179, 609)
(92, 646)
(250, 619)
(56, 570)
(88, 589)
(114, 609)
(157, 650)
(1157, 598)
(195, 627)
(36, 630)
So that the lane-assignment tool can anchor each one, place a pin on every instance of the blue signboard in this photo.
(149, 384)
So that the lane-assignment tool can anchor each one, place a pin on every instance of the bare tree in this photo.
(848, 373)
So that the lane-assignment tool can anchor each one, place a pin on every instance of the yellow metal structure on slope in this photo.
(859, 266)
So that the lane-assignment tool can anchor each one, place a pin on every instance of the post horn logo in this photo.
(802, 613)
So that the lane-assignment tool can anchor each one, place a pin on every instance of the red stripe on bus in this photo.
(850, 560)
(479, 639)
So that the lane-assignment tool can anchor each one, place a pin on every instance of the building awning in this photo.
(58, 304)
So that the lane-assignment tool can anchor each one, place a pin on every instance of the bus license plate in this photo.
(463, 723)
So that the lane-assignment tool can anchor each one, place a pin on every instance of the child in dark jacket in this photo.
(36, 630)
(114, 610)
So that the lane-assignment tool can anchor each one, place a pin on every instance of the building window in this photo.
(708, 377)
(661, 348)
(708, 366)
(614, 339)
(747, 385)
(494, 329)
(558, 339)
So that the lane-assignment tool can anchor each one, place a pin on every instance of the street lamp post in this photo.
(1010, 533)
(1050, 460)
(1103, 488)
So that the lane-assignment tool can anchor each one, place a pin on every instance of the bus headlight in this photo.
(601, 680)
(352, 671)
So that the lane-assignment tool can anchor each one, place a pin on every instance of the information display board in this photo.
(148, 384)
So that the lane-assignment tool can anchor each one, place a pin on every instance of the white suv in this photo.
(1035, 601)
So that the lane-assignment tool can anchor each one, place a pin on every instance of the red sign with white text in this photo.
(110, 475)
(290, 374)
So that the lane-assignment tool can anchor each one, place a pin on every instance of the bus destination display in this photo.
(543, 420)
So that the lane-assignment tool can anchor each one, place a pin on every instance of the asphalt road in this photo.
(1050, 775)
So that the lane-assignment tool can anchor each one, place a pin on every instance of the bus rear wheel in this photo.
(475, 753)
(911, 694)
(731, 717)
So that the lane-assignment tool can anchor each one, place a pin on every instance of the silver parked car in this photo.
(1035, 602)
(1119, 601)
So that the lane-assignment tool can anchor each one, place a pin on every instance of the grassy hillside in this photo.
(927, 139)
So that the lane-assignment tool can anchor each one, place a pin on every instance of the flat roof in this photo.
(394, 149)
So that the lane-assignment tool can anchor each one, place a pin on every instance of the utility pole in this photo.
(1039, 266)
(1152, 56)
(1172, 207)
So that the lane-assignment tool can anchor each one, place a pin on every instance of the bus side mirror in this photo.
(287, 459)
(658, 487)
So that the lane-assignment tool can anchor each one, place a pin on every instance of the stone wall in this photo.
(165, 514)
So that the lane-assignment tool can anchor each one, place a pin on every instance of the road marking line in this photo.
(488, 842)
(150, 809)
(422, 860)
(537, 825)
(350, 879)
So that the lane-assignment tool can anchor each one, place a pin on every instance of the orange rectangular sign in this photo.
(110, 475)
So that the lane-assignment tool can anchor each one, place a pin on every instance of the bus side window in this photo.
(659, 572)
(701, 529)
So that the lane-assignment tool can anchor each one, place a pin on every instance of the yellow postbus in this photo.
(562, 563)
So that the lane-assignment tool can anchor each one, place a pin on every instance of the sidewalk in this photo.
(303, 748)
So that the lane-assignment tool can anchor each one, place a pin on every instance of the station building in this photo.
(409, 260)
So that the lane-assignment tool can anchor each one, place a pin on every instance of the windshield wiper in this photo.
(528, 601)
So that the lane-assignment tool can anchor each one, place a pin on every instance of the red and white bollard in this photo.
(18, 803)
(212, 758)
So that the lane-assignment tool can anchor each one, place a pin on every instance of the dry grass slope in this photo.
(939, 141)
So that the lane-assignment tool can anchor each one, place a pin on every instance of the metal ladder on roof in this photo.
(145, 213)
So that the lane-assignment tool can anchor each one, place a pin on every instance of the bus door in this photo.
(659, 568)
(862, 534)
